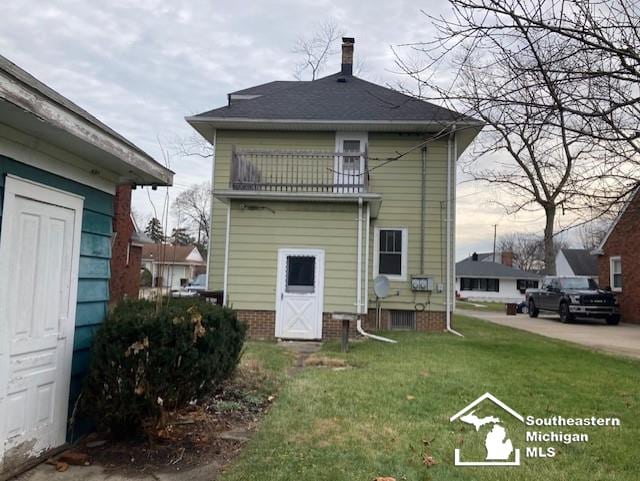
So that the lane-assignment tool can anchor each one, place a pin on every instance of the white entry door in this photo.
(299, 300)
(39, 256)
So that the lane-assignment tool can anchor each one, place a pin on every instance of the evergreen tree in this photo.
(154, 230)
(181, 237)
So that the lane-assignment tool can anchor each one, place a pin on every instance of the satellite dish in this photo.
(381, 286)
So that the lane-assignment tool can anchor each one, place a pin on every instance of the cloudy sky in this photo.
(142, 65)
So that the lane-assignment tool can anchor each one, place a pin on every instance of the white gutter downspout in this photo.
(225, 296)
(451, 165)
(361, 331)
(366, 260)
(359, 262)
(213, 187)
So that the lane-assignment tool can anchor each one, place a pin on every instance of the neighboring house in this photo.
(619, 261)
(577, 262)
(59, 169)
(479, 278)
(172, 266)
(126, 256)
(320, 187)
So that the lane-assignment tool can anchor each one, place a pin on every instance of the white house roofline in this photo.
(599, 250)
(491, 398)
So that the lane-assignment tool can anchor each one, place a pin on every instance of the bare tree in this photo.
(528, 250)
(193, 206)
(592, 233)
(316, 49)
(546, 97)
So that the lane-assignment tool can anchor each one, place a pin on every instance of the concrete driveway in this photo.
(623, 339)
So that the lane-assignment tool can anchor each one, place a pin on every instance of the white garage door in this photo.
(39, 255)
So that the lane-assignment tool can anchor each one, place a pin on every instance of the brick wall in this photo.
(125, 276)
(623, 242)
(262, 324)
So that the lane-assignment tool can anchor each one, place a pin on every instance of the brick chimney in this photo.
(507, 258)
(347, 55)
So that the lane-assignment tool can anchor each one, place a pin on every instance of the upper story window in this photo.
(390, 253)
(615, 273)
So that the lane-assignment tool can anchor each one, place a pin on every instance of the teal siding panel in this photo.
(91, 290)
(90, 313)
(83, 337)
(93, 268)
(80, 362)
(94, 199)
(95, 245)
(96, 223)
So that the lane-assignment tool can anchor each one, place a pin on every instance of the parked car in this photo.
(197, 285)
(573, 297)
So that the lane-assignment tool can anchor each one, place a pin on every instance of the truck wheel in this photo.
(533, 310)
(565, 314)
(613, 320)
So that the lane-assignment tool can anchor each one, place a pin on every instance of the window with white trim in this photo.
(390, 250)
(615, 273)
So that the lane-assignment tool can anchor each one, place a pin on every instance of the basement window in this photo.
(402, 320)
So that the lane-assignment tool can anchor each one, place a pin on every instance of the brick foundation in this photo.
(262, 324)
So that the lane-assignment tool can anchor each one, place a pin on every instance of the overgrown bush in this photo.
(144, 363)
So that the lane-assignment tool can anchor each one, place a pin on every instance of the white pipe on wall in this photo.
(451, 163)
(359, 261)
(366, 260)
(213, 187)
(225, 296)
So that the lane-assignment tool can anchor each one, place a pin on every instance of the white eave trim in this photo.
(30, 100)
(306, 124)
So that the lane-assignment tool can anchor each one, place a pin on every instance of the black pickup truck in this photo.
(573, 297)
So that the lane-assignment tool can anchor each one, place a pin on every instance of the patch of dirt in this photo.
(211, 432)
(316, 360)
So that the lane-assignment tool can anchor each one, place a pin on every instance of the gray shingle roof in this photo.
(470, 268)
(335, 97)
(581, 261)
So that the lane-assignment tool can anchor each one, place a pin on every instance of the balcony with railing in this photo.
(298, 171)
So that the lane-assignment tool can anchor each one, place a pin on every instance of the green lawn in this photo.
(392, 409)
(480, 306)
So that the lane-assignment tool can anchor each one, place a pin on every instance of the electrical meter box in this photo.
(422, 283)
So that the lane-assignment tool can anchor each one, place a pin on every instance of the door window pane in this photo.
(301, 274)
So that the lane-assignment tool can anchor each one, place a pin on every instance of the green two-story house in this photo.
(333, 198)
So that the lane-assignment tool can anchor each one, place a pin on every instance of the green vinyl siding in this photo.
(259, 229)
(399, 182)
(267, 140)
(301, 225)
(95, 252)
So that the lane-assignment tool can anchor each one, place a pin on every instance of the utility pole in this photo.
(495, 230)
